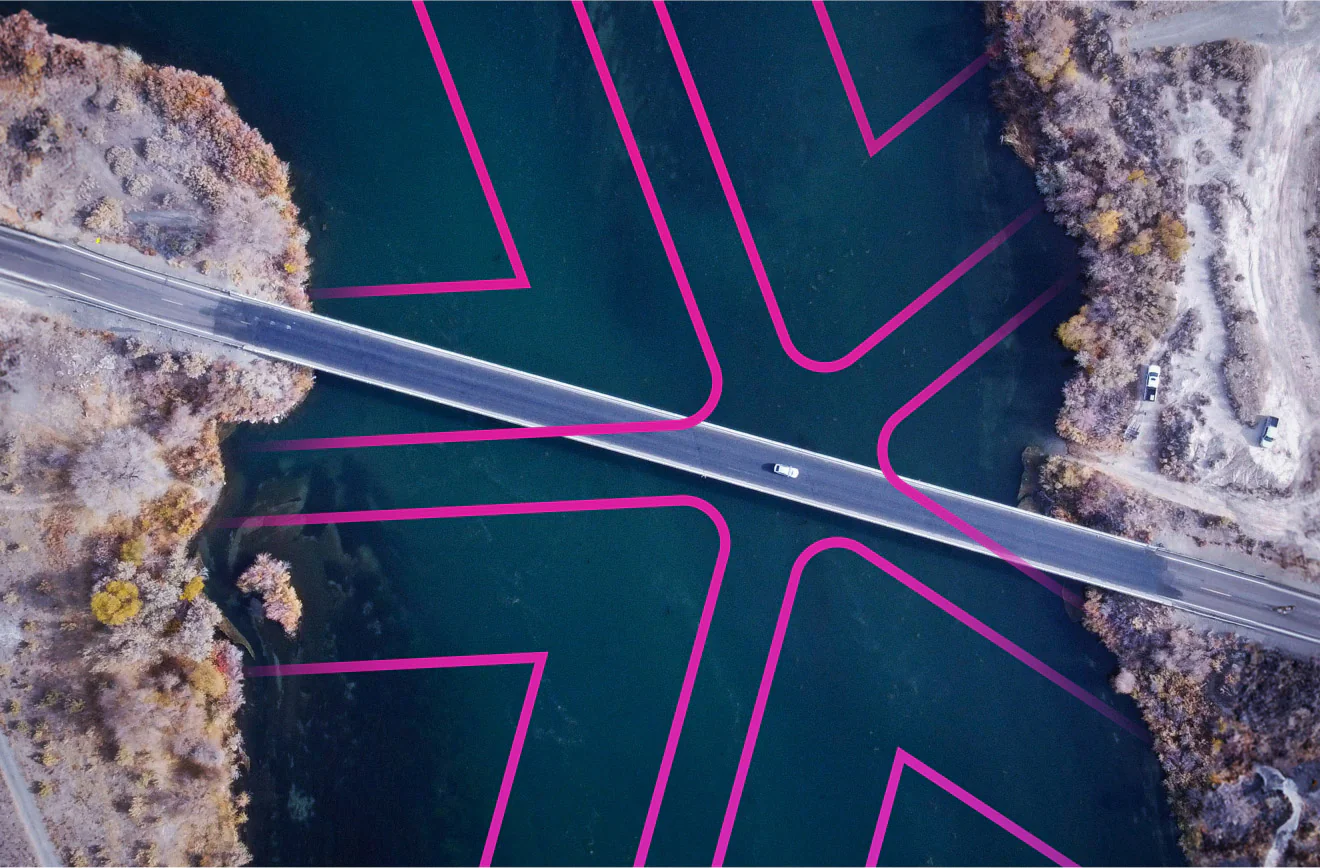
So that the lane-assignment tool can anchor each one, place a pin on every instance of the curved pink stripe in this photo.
(874, 145)
(892, 423)
(599, 429)
(519, 279)
(541, 508)
(903, 759)
(926, 593)
(754, 254)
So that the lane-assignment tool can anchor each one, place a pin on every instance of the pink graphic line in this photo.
(874, 145)
(601, 428)
(892, 423)
(561, 506)
(519, 279)
(535, 658)
(926, 593)
(902, 760)
(754, 255)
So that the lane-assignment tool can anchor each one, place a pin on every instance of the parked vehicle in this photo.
(786, 470)
(1152, 382)
(1269, 432)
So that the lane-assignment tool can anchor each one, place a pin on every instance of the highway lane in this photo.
(735, 457)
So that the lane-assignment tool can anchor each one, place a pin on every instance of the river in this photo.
(403, 768)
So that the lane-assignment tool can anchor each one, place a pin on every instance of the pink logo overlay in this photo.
(926, 593)
(876, 145)
(745, 232)
(540, 508)
(905, 760)
(671, 254)
(535, 658)
(519, 279)
(882, 446)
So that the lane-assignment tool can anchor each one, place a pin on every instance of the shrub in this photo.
(121, 161)
(270, 579)
(179, 512)
(107, 218)
(1103, 227)
(192, 589)
(137, 185)
(1173, 237)
(206, 680)
(1177, 450)
(116, 603)
(133, 551)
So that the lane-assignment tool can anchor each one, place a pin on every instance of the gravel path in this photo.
(24, 815)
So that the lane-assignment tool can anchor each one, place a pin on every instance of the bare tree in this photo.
(118, 474)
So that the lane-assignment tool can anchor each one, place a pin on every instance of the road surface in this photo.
(25, 807)
(840, 487)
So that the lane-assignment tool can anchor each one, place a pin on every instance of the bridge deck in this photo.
(712, 451)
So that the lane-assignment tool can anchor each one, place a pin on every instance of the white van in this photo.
(786, 470)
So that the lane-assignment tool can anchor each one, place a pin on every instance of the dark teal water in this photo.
(403, 768)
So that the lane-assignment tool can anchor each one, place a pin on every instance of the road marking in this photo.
(1213, 591)
(172, 301)
(92, 276)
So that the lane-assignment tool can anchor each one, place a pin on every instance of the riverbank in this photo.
(1188, 172)
(115, 691)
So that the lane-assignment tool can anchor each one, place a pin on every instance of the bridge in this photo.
(31, 264)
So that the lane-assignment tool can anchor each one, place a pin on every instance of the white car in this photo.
(1270, 432)
(1152, 382)
(786, 470)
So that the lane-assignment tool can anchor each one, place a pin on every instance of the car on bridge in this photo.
(787, 470)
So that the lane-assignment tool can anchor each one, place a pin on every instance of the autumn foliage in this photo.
(1111, 181)
(270, 579)
(116, 603)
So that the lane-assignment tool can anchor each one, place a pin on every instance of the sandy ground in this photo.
(1269, 492)
(14, 849)
(1183, 23)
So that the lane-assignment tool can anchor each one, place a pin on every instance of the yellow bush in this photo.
(132, 551)
(1075, 333)
(192, 590)
(1173, 237)
(1043, 68)
(1103, 227)
(207, 680)
(117, 603)
(179, 512)
(33, 64)
(1141, 245)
